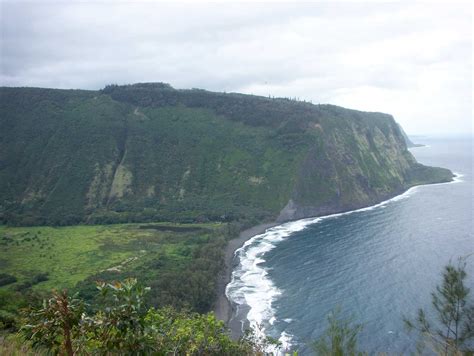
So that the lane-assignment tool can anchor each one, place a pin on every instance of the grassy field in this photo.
(43, 258)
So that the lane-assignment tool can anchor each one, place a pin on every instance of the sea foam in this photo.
(250, 284)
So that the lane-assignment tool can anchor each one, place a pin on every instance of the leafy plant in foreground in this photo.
(125, 326)
(455, 314)
(259, 342)
(121, 325)
(56, 324)
(340, 337)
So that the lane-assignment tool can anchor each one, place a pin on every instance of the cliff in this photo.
(148, 152)
(408, 142)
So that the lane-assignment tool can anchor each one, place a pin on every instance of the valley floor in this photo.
(179, 262)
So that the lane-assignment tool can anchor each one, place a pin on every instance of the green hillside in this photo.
(148, 152)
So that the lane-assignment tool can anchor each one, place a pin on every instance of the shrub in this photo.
(125, 326)
(454, 333)
(6, 279)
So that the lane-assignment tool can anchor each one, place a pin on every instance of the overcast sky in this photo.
(413, 61)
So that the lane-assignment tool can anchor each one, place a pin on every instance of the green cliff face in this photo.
(148, 152)
(408, 142)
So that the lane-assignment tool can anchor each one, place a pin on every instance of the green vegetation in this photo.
(174, 174)
(13, 346)
(148, 152)
(453, 334)
(340, 337)
(181, 262)
(6, 279)
(11, 302)
(125, 326)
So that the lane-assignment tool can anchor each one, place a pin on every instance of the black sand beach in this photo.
(223, 308)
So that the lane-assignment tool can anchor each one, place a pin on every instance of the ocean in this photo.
(376, 264)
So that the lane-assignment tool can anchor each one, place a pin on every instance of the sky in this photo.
(409, 59)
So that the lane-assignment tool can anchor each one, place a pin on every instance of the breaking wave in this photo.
(251, 289)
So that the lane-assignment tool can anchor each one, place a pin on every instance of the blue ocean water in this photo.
(376, 264)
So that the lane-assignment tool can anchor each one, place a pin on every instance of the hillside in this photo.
(408, 141)
(148, 152)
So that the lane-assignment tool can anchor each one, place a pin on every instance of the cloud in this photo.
(407, 59)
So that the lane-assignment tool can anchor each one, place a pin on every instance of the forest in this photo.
(148, 153)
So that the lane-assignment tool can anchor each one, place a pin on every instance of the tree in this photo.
(55, 325)
(455, 312)
(260, 344)
(124, 326)
(120, 327)
(340, 338)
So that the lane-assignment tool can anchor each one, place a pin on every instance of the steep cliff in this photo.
(408, 142)
(148, 152)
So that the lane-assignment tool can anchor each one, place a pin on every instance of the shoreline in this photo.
(224, 309)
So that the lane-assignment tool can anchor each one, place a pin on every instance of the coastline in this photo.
(223, 308)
